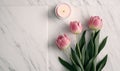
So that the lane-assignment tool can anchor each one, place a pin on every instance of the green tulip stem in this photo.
(78, 47)
(66, 52)
(76, 35)
(72, 60)
(69, 56)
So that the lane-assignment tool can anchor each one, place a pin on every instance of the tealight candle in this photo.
(63, 10)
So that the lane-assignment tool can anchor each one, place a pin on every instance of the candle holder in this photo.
(63, 10)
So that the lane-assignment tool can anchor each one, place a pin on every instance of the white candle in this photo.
(63, 10)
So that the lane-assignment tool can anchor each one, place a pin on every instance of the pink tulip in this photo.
(95, 23)
(75, 27)
(63, 41)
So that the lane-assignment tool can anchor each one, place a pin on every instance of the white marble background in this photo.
(23, 45)
(27, 25)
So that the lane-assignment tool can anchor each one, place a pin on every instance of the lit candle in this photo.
(63, 10)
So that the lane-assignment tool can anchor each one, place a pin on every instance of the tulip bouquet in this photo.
(83, 57)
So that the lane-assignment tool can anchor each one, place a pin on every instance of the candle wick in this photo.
(63, 10)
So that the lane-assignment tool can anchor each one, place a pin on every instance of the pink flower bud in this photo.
(63, 41)
(75, 27)
(95, 23)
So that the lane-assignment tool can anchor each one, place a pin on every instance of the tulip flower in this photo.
(63, 41)
(95, 23)
(75, 27)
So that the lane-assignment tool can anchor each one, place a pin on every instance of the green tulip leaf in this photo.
(83, 54)
(96, 38)
(80, 49)
(86, 58)
(76, 60)
(90, 48)
(90, 63)
(77, 68)
(65, 64)
(102, 63)
(82, 40)
(102, 44)
(96, 41)
(89, 51)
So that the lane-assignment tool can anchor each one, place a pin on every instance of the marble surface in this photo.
(28, 29)
(23, 46)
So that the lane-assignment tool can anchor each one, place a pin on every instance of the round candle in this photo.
(62, 10)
